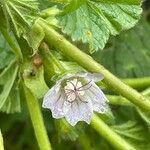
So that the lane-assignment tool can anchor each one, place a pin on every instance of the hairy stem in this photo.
(86, 142)
(37, 121)
(1, 142)
(118, 100)
(59, 42)
(45, 50)
(138, 83)
(106, 132)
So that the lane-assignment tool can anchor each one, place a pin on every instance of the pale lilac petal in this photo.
(78, 111)
(92, 76)
(57, 109)
(51, 96)
(54, 100)
(98, 98)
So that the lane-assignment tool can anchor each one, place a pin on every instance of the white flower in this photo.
(75, 97)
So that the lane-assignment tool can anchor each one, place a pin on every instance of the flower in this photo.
(75, 97)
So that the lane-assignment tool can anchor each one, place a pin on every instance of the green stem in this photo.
(12, 43)
(37, 121)
(59, 42)
(1, 142)
(114, 139)
(62, 1)
(138, 83)
(44, 47)
(118, 100)
(51, 65)
(86, 142)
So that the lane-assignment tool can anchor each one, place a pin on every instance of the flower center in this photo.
(72, 90)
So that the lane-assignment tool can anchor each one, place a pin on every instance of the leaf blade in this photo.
(94, 21)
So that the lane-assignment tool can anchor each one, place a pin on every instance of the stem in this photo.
(44, 47)
(59, 42)
(37, 121)
(118, 100)
(114, 139)
(12, 43)
(138, 83)
(86, 142)
(62, 1)
(1, 142)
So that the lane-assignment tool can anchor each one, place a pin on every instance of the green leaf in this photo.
(7, 79)
(130, 129)
(65, 131)
(34, 80)
(135, 133)
(128, 54)
(94, 21)
(21, 13)
(144, 115)
(12, 103)
(5, 53)
(35, 36)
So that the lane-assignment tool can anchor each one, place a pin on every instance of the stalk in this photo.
(1, 142)
(106, 132)
(59, 42)
(118, 100)
(138, 83)
(37, 121)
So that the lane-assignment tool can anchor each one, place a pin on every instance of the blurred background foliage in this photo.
(126, 55)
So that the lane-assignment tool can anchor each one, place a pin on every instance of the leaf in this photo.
(130, 129)
(144, 115)
(94, 21)
(5, 53)
(22, 13)
(134, 133)
(35, 36)
(12, 103)
(34, 80)
(7, 79)
(128, 54)
(65, 131)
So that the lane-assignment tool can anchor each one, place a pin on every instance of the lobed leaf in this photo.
(7, 80)
(5, 53)
(128, 54)
(93, 21)
(21, 13)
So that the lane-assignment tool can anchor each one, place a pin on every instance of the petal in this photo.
(98, 98)
(51, 96)
(57, 110)
(54, 100)
(92, 76)
(78, 111)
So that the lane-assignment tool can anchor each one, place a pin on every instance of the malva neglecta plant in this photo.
(82, 61)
